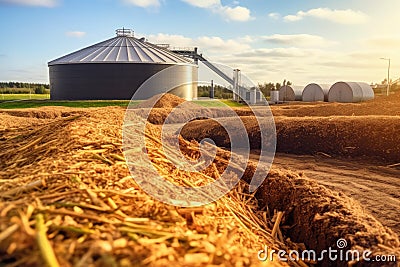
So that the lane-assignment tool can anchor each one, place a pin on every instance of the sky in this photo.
(303, 41)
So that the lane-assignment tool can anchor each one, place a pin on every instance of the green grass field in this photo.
(74, 104)
(11, 103)
(23, 96)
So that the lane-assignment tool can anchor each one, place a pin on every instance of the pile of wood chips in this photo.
(67, 199)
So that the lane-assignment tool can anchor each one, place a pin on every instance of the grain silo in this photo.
(115, 69)
(315, 92)
(290, 93)
(350, 92)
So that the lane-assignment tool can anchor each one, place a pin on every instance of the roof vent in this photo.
(124, 32)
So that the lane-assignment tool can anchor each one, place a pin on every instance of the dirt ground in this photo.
(318, 217)
(375, 187)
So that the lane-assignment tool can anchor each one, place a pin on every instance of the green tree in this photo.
(266, 88)
(40, 90)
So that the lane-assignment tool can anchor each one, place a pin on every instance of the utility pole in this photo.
(388, 79)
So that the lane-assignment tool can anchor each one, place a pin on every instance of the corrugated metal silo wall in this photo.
(114, 81)
(186, 77)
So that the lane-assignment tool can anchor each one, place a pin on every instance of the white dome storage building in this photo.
(350, 92)
(114, 69)
(315, 92)
(290, 93)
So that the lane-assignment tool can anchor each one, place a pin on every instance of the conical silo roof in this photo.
(124, 48)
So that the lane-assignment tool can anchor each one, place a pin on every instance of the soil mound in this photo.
(209, 128)
(319, 217)
(371, 137)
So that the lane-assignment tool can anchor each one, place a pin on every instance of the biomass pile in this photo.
(67, 199)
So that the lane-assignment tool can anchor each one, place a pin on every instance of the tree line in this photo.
(24, 88)
(219, 92)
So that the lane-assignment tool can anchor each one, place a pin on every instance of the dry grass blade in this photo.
(278, 220)
(30, 186)
(117, 157)
(78, 215)
(8, 232)
(103, 159)
(45, 247)
(30, 144)
(82, 205)
(393, 165)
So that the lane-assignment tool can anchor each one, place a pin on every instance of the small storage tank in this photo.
(253, 96)
(315, 92)
(350, 92)
(275, 97)
(290, 93)
(116, 68)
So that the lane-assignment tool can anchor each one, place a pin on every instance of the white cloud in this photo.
(217, 44)
(247, 39)
(237, 13)
(297, 40)
(42, 3)
(203, 3)
(172, 39)
(75, 34)
(274, 16)
(263, 53)
(347, 16)
(143, 3)
(210, 45)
